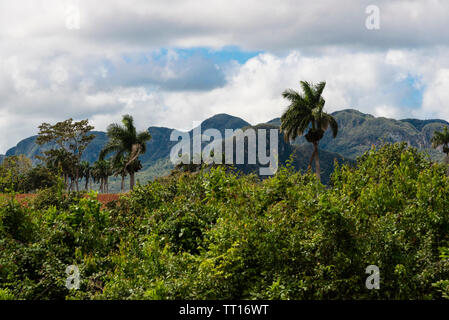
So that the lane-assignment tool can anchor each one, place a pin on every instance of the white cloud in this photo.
(49, 72)
(354, 80)
(436, 97)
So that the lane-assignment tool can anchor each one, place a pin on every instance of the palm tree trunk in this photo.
(317, 161)
(131, 180)
(311, 160)
(87, 182)
(122, 187)
(77, 176)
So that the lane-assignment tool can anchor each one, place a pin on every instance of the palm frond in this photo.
(319, 88)
(306, 88)
(111, 146)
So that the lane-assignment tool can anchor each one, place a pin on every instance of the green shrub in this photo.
(214, 234)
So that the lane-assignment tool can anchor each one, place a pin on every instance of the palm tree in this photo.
(441, 139)
(305, 112)
(118, 169)
(85, 172)
(61, 161)
(126, 142)
(101, 170)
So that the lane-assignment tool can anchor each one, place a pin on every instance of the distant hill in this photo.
(420, 124)
(160, 144)
(301, 155)
(357, 133)
(29, 148)
(223, 121)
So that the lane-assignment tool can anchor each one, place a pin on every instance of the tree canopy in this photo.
(67, 141)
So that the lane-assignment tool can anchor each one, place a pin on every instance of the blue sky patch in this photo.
(412, 96)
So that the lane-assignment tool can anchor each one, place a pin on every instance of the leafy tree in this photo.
(39, 177)
(61, 162)
(441, 139)
(13, 172)
(305, 112)
(67, 140)
(17, 174)
(126, 143)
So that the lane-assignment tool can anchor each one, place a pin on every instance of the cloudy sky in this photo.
(170, 62)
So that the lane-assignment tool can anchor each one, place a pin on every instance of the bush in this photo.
(215, 235)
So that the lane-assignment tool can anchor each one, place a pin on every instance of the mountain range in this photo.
(357, 133)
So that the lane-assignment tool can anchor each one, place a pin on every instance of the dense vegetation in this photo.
(357, 133)
(216, 234)
(17, 174)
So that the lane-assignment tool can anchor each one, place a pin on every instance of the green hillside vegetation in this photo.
(30, 149)
(217, 235)
(160, 168)
(300, 155)
(357, 133)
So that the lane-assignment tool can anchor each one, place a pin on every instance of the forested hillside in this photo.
(357, 133)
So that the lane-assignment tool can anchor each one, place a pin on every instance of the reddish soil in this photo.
(108, 197)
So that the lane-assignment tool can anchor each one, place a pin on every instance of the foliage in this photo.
(214, 234)
(358, 132)
(101, 170)
(17, 174)
(441, 139)
(69, 140)
(13, 171)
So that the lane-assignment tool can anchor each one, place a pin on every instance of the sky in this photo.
(176, 62)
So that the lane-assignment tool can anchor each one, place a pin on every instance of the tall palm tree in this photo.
(441, 139)
(101, 170)
(126, 142)
(85, 172)
(305, 112)
(118, 169)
